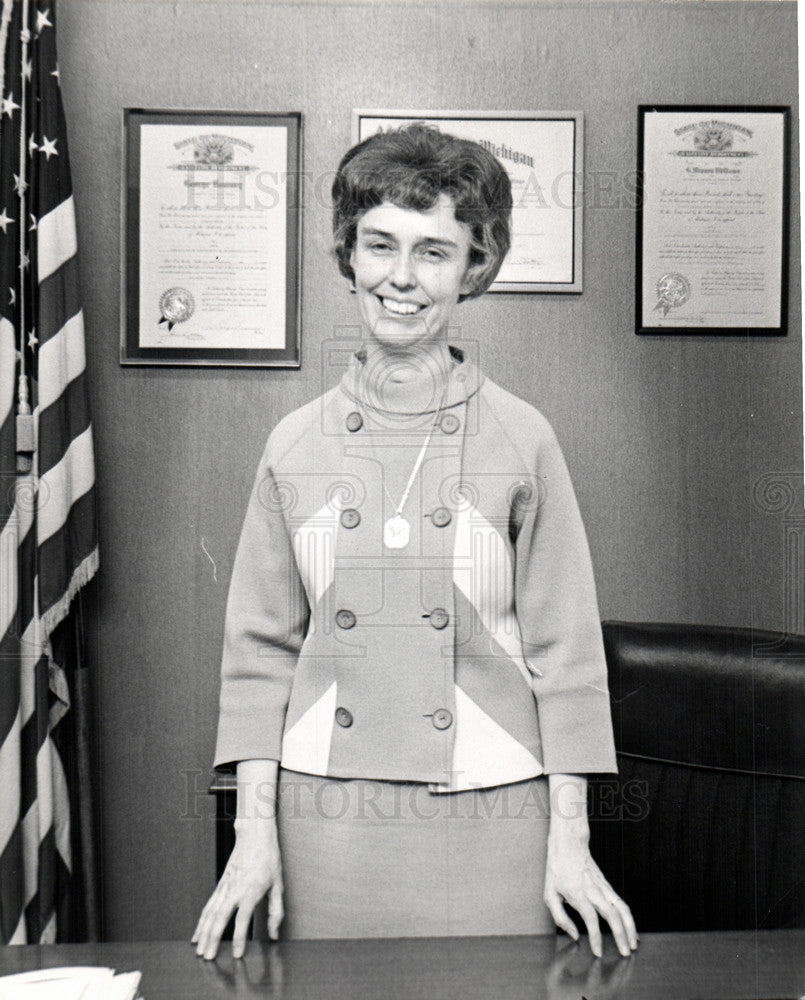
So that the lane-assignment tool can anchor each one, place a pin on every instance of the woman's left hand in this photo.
(573, 875)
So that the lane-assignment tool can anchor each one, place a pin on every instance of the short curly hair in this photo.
(410, 167)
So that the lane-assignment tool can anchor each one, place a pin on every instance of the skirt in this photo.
(392, 859)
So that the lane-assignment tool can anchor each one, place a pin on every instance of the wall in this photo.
(665, 437)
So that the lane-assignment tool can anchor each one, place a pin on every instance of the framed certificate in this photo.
(712, 219)
(543, 153)
(210, 238)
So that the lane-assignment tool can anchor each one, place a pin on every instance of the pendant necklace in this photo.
(397, 530)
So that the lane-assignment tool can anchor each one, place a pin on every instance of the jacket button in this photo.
(354, 421)
(350, 518)
(345, 619)
(441, 517)
(442, 719)
(450, 423)
(439, 618)
(343, 717)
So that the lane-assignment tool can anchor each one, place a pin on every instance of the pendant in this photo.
(396, 532)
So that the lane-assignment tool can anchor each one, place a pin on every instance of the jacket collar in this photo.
(426, 392)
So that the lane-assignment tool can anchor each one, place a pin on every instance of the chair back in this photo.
(703, 828)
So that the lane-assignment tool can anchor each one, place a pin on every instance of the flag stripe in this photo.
(9, 773)
(32, 737)
(29, 744)
(63, 484)
(12, 884)
(9, 544)
(61, 828)
(57, 575)
(31, 845)
(69, 410)
(30, 837)
(26, 552)
(61, 360)
(47, 826)
(44, 777)
(7, 430)
(57, 238)
(48, 933)
(7, 364)
(19, 935)
(39, 910)
(59, 300)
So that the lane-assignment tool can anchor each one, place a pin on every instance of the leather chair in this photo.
(704, 828)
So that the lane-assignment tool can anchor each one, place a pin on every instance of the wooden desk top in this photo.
(722, 966)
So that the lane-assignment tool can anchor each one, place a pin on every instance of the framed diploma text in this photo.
(543, 154)
(210, 234)
(712, 219)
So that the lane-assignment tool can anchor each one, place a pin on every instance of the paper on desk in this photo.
(77, 983)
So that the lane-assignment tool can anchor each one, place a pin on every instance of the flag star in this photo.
(42, 21)
(18, 355)
(27, 69)
(24, 262)
(4, 220)
(9, 106)
(25, 36)
(55, 73)
(32, 146)
(32, 339)
(33, 222)
(48, 147)
(20, 185)
(12, 296)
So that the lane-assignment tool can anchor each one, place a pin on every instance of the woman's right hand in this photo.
(254, 869)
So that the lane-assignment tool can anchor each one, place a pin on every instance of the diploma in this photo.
(212, 236)
(712, 219)
(542, 155)
(539, 159)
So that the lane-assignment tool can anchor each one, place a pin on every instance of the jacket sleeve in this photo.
(266, 621)
(557, 612)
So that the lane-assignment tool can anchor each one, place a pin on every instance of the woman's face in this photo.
(410, 268)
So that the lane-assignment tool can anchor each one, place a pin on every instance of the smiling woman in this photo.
(410, 268)
(413, 680)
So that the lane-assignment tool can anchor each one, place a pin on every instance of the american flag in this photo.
(48, 545)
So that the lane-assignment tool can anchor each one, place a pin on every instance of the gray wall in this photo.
(665, 437)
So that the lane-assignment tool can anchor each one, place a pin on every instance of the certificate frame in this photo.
(550, 259)
(721, 137)
(268, 180)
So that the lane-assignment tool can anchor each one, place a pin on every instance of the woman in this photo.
(413, 671)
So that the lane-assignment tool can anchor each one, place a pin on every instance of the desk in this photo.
(713, 966)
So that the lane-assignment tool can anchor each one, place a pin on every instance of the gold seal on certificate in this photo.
(176, 305)
(213, 150)
(673, 290)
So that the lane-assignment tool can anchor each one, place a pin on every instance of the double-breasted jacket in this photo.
(470, 657)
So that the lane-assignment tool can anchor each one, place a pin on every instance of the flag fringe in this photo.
(84, 572)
